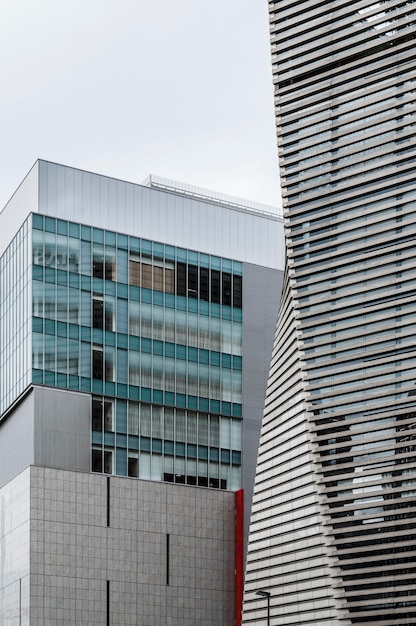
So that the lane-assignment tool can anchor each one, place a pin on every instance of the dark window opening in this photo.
(209, 285)
(97, 313)
(97, 364)
(103, 266)
(181, 279)
(192, 281)
(204, 283)
(218, 483)
(133, 467)
(215, 286)
(237, 292)
(201, 481)
(98, 266)
(97, 417)
(226, 289)
(97, 460)
(102, 315)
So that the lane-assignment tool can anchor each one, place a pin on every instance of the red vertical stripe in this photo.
(239, 555)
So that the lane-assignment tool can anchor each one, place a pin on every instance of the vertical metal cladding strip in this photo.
(167, 560)
(108, 603)
(239, 555)
(108, 501)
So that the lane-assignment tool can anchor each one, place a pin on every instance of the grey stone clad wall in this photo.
(74, 552)
(15, 551)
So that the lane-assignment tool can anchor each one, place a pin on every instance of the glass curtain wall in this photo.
(15, 318)
(152, 325)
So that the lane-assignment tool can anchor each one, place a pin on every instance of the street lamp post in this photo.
(265, 594)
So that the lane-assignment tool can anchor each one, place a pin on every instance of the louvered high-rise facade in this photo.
(333, 526)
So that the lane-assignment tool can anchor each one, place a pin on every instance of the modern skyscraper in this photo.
(136, 332)
(333, 527)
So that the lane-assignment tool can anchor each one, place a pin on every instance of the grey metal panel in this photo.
(17, 440)
(62, 429)
(23, 202)
(168, 217)
(261, 295)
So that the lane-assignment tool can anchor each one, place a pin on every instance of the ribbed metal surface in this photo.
(345, 103)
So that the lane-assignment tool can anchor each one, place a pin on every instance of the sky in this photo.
(176, 88)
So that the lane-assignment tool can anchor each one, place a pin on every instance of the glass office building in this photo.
(333, 528)
(135, 345)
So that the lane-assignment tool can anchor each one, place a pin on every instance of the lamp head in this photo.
(264, 594)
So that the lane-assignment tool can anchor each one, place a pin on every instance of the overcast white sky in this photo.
(177, 88)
